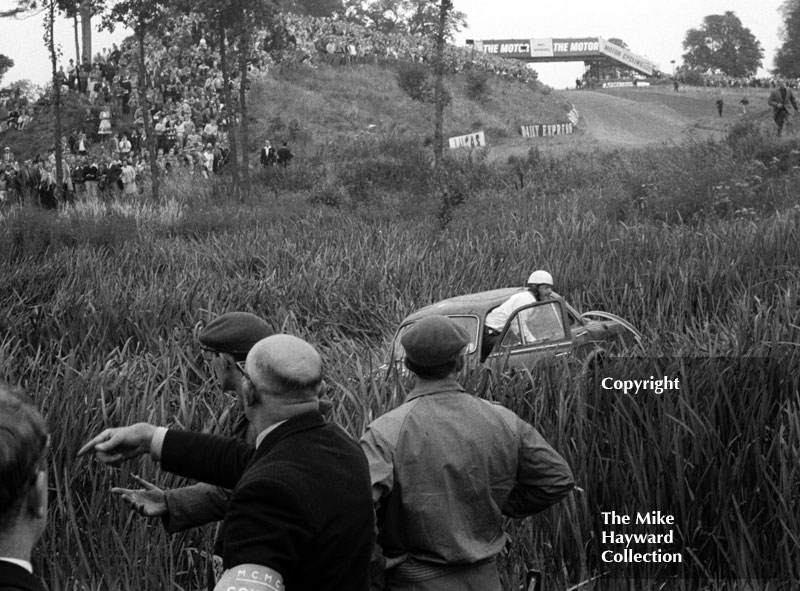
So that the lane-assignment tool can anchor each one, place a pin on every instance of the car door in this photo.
(539, 330)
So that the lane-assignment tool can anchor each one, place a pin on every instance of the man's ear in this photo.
(249, 394)
(37, 496)
(460, 360)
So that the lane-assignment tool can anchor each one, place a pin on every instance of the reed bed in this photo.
(100, 308)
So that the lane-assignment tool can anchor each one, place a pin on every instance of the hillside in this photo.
(330, 104)
(316, 106)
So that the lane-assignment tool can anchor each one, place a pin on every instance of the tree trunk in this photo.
(144, 102)
(77, 39)
(230, 112)
(51, 47)
(86, 30)
(244, 51)
(438, 90)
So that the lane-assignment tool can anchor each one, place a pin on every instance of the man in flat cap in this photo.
(446, 467)
(23, 489)
(300, 516)
(228, 338)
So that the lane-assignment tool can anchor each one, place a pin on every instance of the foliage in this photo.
(723, 44)
(99, 307)
(414, 80)
(415, 17)
(317, 8)
(477, 88)
(787, 57)
(6, 63)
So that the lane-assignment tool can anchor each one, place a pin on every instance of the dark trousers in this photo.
(490, 338)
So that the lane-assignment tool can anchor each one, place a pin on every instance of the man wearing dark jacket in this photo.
(300, 516)
(23, 489)
(780, 99)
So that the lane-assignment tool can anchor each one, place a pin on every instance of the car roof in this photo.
(474, 303)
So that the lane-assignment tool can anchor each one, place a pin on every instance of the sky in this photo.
(652, 29)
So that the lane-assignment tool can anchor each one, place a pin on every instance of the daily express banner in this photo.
(545, 130)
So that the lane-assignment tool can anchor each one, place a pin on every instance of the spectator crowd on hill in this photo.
(185, 91)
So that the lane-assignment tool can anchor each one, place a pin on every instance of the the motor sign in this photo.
(576, 47)
(508, 47)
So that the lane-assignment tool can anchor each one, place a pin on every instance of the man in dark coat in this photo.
(300, 516)
(23, 489)
(284, 155)
(780, 99)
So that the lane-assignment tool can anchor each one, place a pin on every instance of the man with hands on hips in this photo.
(300, 515)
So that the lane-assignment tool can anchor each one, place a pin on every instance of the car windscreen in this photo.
(469, 323)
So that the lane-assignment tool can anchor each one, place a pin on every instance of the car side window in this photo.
(536, 324)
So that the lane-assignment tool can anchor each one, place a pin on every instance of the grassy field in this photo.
(696, 245)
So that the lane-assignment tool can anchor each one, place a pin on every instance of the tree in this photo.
(413, 17)
(787, 58)
(317, 8)
(143, 16)
(439, 95)
(49, 7)
(6, 63)
(85, 9)
(722, 44)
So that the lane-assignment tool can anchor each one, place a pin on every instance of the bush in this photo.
(412, 78)
(745, 140)
(477, 85)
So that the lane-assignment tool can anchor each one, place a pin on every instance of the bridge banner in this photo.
(626, 57)
(471, 140)
(576, 47)
(542, 47)
(519, 48)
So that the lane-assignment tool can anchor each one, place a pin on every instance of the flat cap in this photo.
(433, 341)
(234, 333)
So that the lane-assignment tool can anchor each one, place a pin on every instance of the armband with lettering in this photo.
(250, 577)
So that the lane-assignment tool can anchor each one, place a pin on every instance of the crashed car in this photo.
(547, 329)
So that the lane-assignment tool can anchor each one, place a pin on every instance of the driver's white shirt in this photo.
(497, 318)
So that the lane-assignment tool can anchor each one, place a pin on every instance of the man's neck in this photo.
(16, 544)
(266, 415)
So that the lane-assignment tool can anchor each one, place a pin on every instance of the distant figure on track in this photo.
(744, 102)
(779, 99)
(720, 104)
(284, 155)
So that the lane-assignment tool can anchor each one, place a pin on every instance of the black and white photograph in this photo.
(399, 295)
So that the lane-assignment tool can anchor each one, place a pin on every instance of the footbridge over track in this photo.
(593, 51)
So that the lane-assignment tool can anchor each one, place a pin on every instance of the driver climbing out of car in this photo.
(539, 288)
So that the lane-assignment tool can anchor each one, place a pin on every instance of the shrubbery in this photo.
(477, 87)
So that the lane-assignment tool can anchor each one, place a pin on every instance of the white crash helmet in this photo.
(540, 277)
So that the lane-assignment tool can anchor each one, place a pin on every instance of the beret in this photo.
(433, 341)
(234, 333)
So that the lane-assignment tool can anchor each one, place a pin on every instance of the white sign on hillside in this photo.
(471, 140)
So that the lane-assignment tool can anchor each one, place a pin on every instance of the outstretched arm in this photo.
(113, 446)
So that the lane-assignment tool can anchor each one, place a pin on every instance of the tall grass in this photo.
(101, 303)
